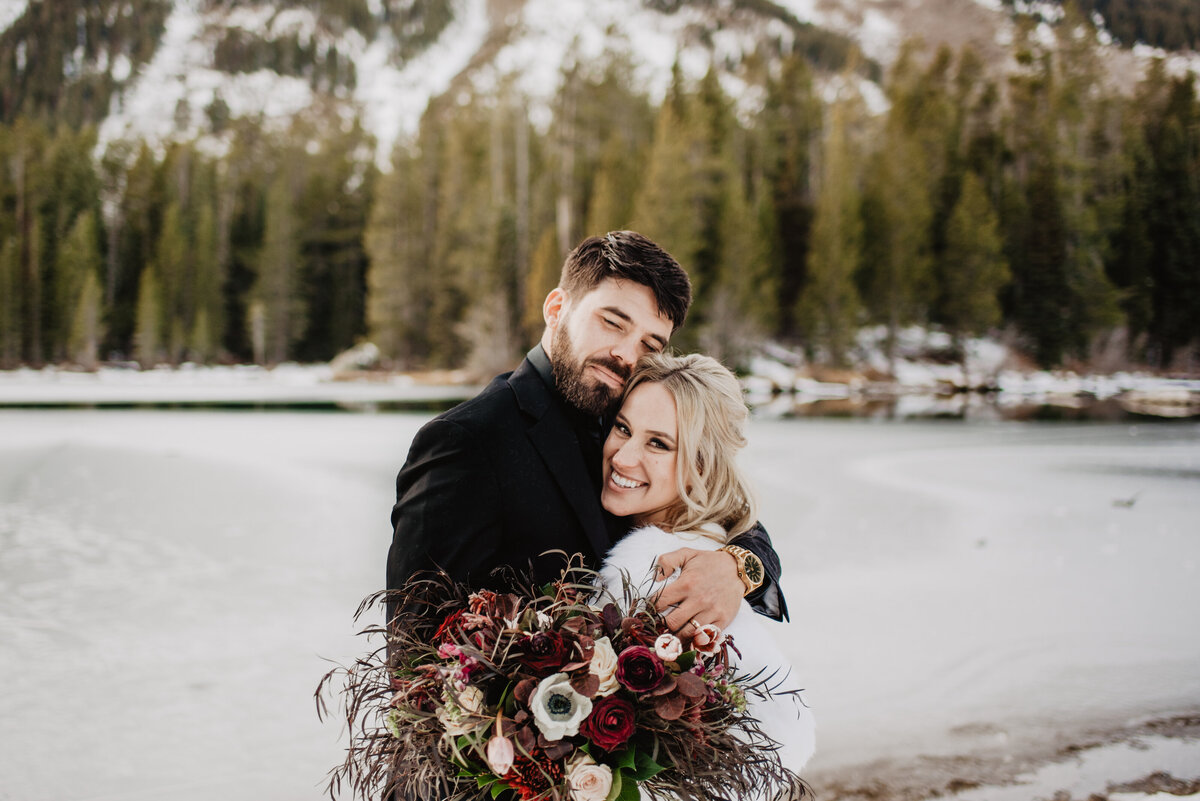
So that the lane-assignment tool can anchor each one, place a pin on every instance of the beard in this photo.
(592, 396)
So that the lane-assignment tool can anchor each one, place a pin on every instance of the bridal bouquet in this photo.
(541, 693)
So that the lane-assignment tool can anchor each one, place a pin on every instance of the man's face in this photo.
(596, 339)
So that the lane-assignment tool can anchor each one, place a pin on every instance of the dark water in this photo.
(963, 407)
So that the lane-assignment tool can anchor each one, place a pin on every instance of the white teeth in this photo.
(623, 482)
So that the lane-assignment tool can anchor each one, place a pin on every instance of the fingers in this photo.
(668, 563)
(680, 620)
(673, 595)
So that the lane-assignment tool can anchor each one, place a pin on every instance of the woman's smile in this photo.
(625, 483)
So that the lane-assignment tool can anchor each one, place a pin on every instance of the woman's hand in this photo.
(708, 590)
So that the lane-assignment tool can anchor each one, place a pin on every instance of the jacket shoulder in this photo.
(508, 395)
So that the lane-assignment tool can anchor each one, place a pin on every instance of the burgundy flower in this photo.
(547, 651)
(610, 724)
(451, 628)
(533, 777)
(639, 669)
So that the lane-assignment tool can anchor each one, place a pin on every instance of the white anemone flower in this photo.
(557, 708)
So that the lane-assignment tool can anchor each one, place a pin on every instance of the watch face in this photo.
(754, 569)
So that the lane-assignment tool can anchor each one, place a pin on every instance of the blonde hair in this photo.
(711, 418)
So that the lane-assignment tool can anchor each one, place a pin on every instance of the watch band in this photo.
(741, 556)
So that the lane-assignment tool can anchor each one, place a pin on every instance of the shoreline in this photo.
(1134, 761)
(772, 390)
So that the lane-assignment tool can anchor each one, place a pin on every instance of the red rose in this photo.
(639, 669)
(610, 724)
(547, 651)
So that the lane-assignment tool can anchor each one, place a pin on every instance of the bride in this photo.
(669, 466)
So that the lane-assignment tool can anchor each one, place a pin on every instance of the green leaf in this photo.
(614, 792)
(646, 768)
(686, 660)
(498, 788)
(626, 760)
(629, 789)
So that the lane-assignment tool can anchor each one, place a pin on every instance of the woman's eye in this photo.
(659, 444)
(621, 429)
(612, 323)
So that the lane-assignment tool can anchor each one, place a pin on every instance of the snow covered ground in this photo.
(234, 385)
(966, 599)
(774, 387)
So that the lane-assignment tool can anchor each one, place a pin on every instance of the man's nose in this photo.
(626, 351)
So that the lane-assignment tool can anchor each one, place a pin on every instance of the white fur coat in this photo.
(784, 718)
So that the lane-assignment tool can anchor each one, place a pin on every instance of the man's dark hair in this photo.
(629, 256)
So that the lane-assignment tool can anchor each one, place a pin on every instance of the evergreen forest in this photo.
(1038, 206)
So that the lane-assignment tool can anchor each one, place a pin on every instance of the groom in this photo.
(515, 471)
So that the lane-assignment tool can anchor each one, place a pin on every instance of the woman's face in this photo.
(639, 456)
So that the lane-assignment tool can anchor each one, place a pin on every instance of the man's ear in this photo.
(555, 306)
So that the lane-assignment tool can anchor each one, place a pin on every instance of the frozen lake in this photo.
(171, 583)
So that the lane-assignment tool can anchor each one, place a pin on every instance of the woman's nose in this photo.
(623, 455)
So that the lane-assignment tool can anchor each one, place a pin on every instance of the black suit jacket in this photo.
(499, 480)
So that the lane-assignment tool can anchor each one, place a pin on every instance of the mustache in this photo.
(613, 366)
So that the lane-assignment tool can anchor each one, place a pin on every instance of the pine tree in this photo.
(277, 283)
(1054, 210)
(204, 336)
(398, 244)
(976, 269)
(789, 129)
(78, 262)
(665, 208)
(1173, 213)
(147, 344)
(87, 328)
(174, 269)
(898, 218)
(10, 304)
(543, 276)
(613, 188)
(903, 193)
(829, 303)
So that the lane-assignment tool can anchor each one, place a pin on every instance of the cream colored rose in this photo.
(456, 712)
(604, 667)
(668, 647)
(471, 700)
(557, 708)
(590, 782)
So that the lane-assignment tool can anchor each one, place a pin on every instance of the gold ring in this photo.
(695, 625)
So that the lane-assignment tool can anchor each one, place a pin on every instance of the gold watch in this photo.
(749, 567)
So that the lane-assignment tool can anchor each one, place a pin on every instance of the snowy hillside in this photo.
(195, 79)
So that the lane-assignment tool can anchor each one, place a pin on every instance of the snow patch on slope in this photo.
(392, 98)
(552, 36)
(172, 91)
(1177, 65)
(10, 12)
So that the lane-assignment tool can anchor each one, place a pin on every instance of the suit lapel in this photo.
(555, 442)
